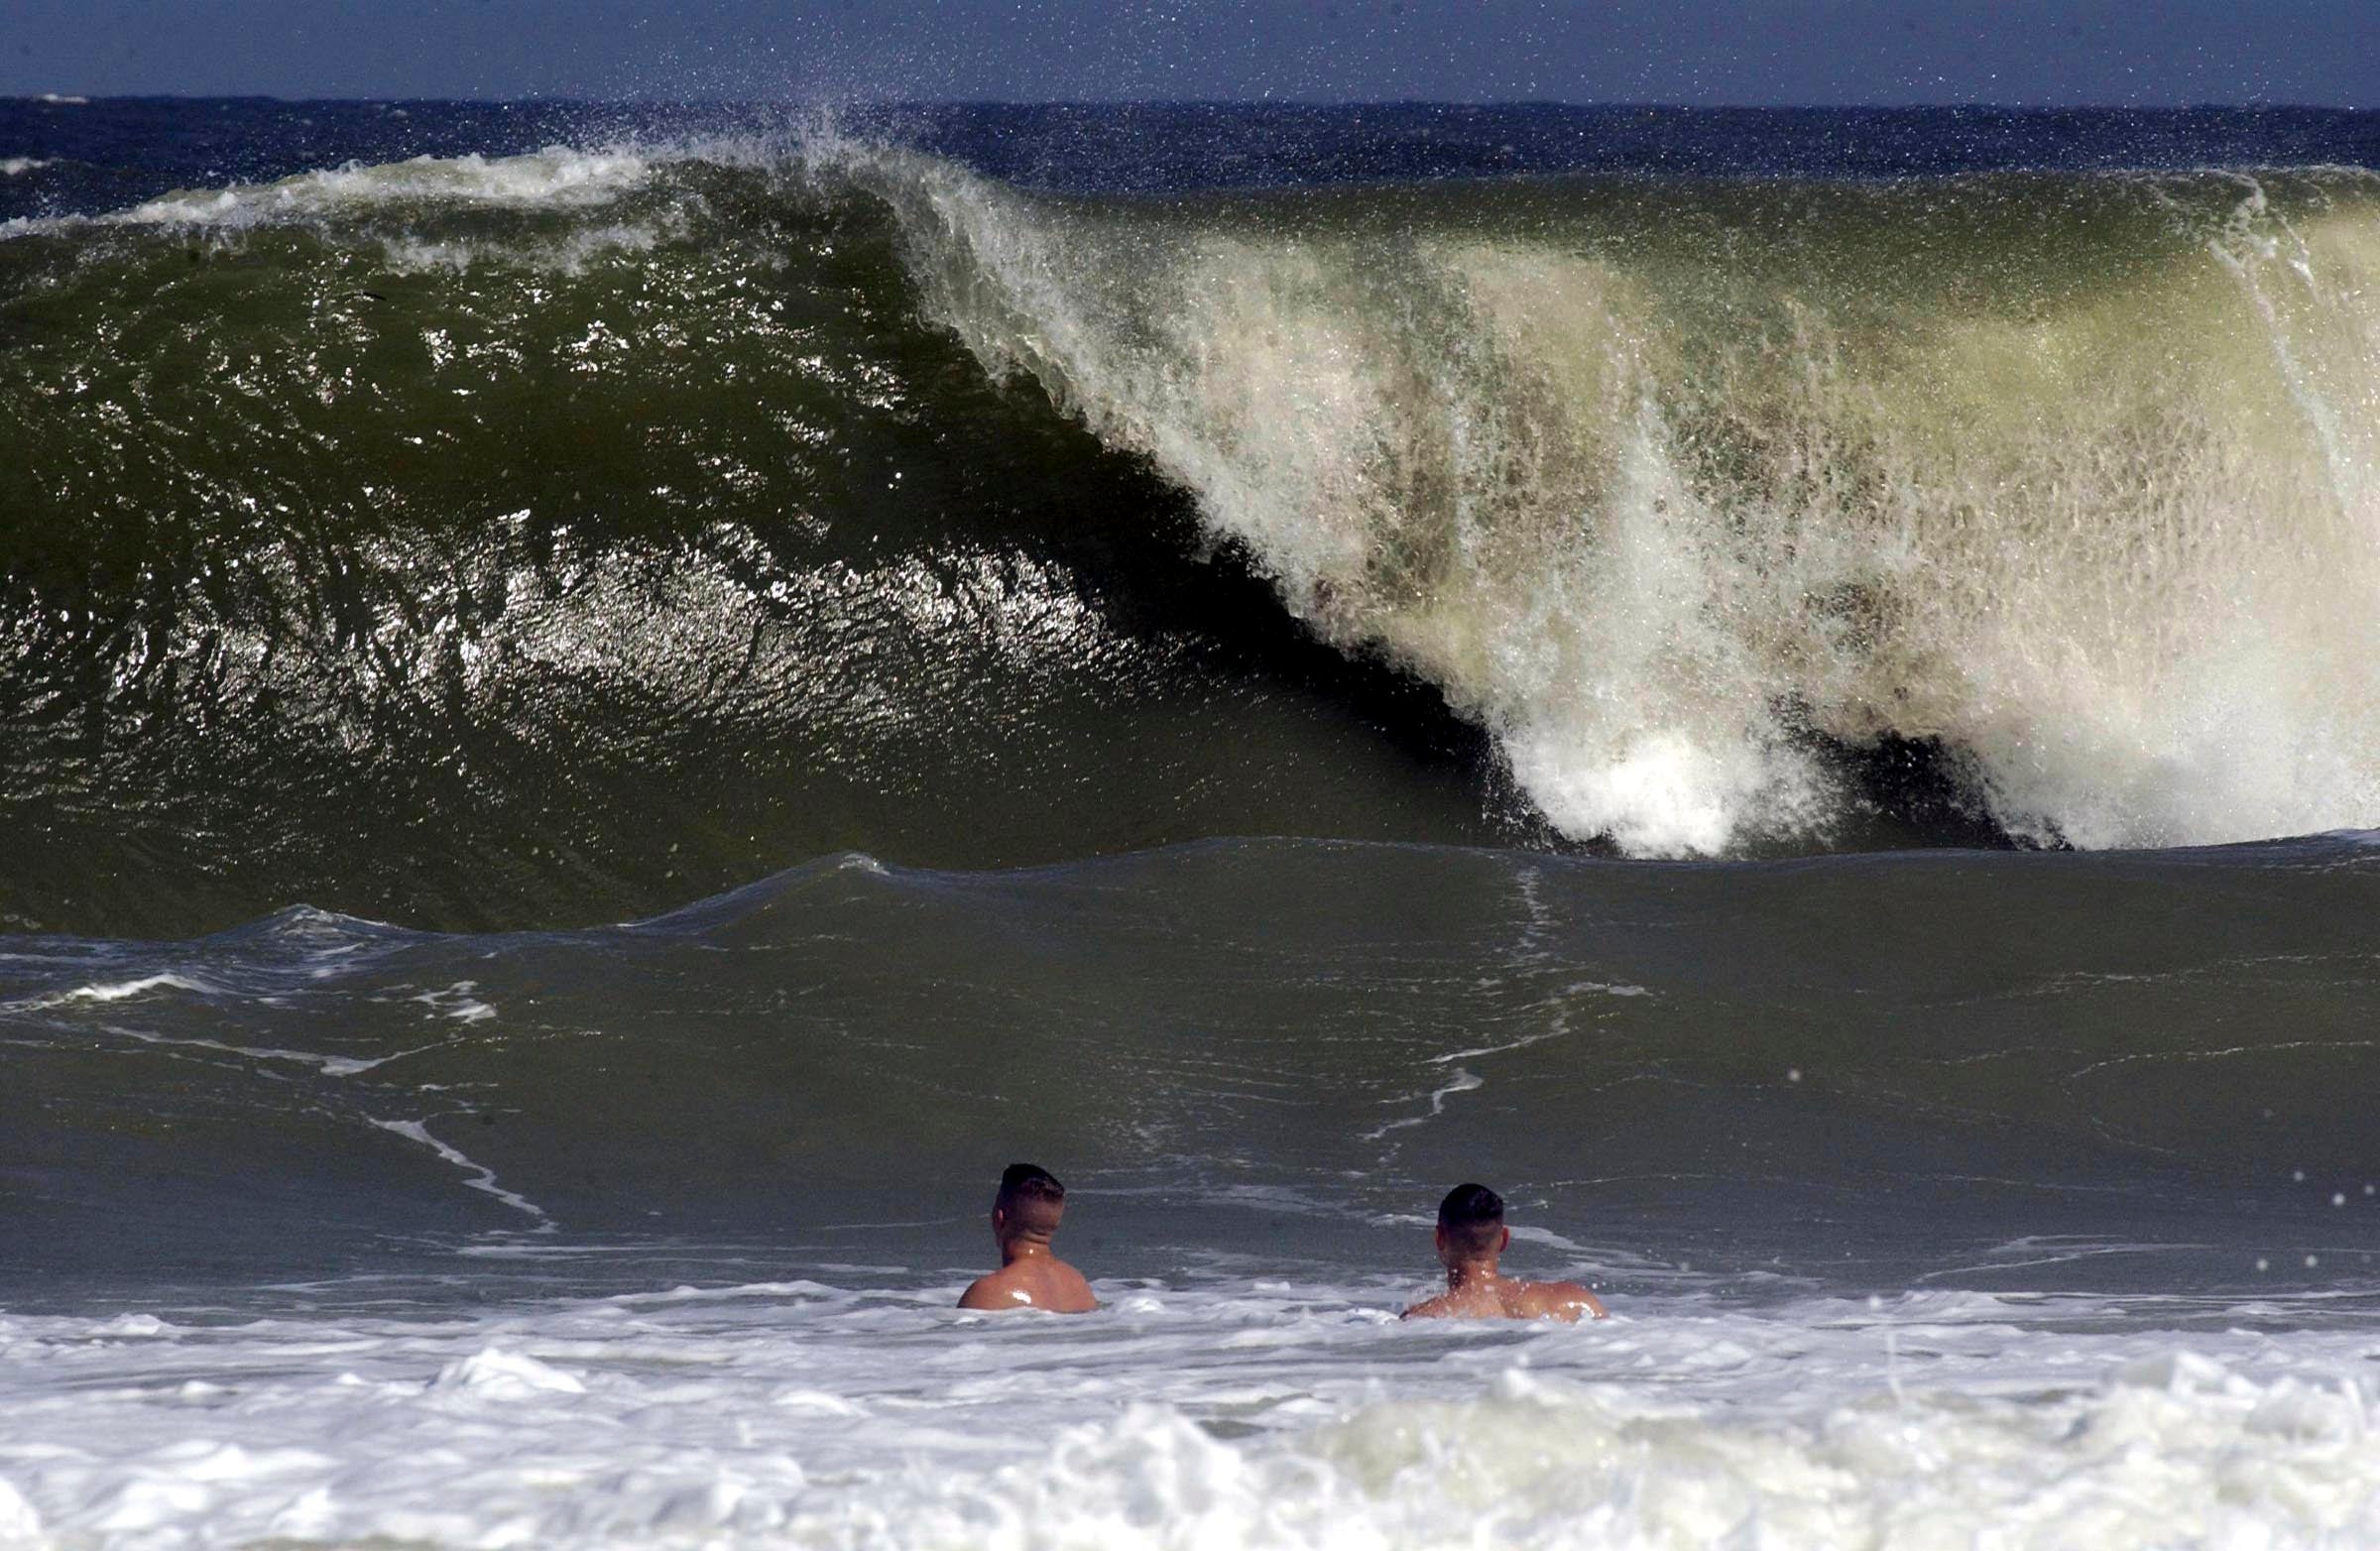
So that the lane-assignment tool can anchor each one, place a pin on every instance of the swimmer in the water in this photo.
(1024, 1216)
(1472, 1236)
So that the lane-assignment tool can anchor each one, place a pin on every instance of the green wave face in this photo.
(498, 543)
(521, 543)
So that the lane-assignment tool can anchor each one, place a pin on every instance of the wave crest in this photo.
(2069, 476)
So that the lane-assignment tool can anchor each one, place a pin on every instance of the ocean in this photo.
(605, 710)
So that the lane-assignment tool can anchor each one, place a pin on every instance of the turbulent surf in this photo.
(603, 712)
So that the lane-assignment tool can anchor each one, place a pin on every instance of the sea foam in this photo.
(880, 1418)
(557, 176)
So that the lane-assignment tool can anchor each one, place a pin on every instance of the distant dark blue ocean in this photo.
(114, 151)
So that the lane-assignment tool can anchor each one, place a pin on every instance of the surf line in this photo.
(484, 1177)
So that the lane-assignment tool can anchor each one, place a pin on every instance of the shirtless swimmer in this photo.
(1471, 1237)
(1024, 1216)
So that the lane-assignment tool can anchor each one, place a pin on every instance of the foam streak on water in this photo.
(1260, 1414)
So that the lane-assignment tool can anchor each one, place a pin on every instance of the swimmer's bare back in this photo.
(1025, 1218)
(1471, 1237)
(1035, 1281)
(1509, 1297)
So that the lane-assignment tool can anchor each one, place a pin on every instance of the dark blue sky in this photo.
(2111, 52)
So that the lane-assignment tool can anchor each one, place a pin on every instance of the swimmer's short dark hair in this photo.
(1030, 1182)
(1473, 1216)
(1468, 1204)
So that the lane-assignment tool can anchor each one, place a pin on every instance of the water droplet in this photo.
(2311, 1262)
(2263, 1265)
(1793, 1074)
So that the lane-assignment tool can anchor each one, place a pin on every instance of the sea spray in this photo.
(2069, 476)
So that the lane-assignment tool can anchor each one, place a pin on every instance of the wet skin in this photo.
(1474, 1291)
(1031, 1275)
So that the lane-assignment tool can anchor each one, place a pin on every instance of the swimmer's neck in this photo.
(1025, 1247)
(1472, 1273)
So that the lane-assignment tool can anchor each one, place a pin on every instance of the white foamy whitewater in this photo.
(1232, 1413)
(1684, 490)
(2073, 479)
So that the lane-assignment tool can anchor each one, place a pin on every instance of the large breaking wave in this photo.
(504, 540)
(2072, 476)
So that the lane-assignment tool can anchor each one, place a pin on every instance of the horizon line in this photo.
(55, 99)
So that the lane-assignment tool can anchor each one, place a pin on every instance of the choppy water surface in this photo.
(1809, 678)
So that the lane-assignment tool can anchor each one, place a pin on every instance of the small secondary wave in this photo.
(2085, 1070)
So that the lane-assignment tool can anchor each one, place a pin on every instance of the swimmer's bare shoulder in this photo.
(1025, 1218)
(1440, 1307)
(1558, 1300)
(994, 1292)
(1471, 1238)
(1069, 1291)
(1031, 1284)
(1566, 1301)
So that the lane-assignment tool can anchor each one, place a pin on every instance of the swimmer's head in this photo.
(1030, 1205)
(1471, 1225)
